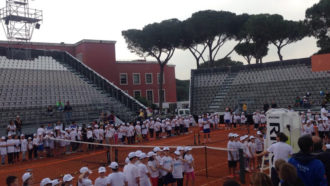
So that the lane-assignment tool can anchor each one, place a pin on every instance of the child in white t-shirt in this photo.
(231, 156)
(252, 148)
(3, 149)
(24, 146)
(189, 166)
(178, 168)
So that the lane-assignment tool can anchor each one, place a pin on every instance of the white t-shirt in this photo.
(259, 145)
(117, 179)
(143, 171)
(177, 169)
(40, 131)
(231, 145)
(153, 164)
(280, 150)
(24, 144)
(11, 145)
(206, 124)
(131, 173)
(166, 163)
(101, 181)
(85, 182)
(227, 116)
(89, 134)
(138, 129)
(188, 167)
(96, 134)
(3, 148)
(101, 134)
(308, 129)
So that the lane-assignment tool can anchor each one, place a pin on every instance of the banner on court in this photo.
(283, 120)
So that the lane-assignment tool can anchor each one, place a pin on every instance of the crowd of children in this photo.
(157, 167)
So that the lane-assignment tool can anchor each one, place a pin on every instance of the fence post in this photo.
(199, 138)
(108, 156)
(206, 169)
(241, 166)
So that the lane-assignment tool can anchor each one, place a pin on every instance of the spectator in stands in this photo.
(288, 175)
(260, 179)
(112, 117)
(11, 128)
(68, 112)
(327, 97)
(310, 170)
(297, 102)
(323, 156)
(59, 105)
(308, 94)
(266, 107)
(306, 103)
(244, 107)
(49, 111)
(18, 123)
(290, 108)
(12, 181)
(274, 104)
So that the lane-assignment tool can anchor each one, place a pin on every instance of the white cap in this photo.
(26, 176)
(131, 155)
(151, 154)
(187, 149)
(166, 149)
(96, 126)
(85, 169)
(327, 146)
(179, 148)
(142, 156)
(67, 177)
(252, 137)
(259, 133)
(55, 182)
(113, 165)
(242, 138)
(9, 135)
(230, 135)
(127, 160)
(22, 135)
(45, 181)
(3, 137)
(177, 153)
(102, 169)
(137, 153)
(157, 149)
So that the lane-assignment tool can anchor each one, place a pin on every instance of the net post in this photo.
(241, 166)
(206, 168)
(108, 157)
(194, 138)
(199, 138)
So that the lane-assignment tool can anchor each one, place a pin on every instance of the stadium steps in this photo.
(221, 94)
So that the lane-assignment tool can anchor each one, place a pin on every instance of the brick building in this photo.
(137, 78)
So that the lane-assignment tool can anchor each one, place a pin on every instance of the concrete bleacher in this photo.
(29, 86)
(256, 85)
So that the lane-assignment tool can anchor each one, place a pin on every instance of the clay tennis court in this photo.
(57, 166)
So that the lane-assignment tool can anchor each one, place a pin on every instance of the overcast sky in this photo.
(70, 21)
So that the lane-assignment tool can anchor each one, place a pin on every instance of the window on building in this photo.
(158, 78)
(136, 79)
(150, 96)
(137, 93)
(149, 78)
(162, 92)
(123, 79)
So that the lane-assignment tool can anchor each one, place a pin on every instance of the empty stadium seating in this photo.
(255, 85)
(28, 87)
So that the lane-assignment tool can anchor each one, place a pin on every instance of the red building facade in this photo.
(137, 78)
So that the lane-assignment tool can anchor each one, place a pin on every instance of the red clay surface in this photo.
(57, 166)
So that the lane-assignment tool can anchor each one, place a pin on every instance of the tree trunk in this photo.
(197, 63)
(279, 54)
(249, 60)
(160, 88)
(211, 61)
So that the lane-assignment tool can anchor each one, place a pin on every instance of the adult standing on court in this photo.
(281, 150)
(68, 112)
(206, 128)
(227, 118)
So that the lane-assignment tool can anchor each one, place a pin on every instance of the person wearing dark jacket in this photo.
(323, 156)
(310, 170)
